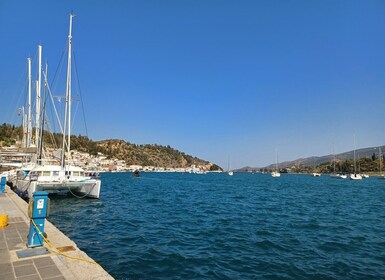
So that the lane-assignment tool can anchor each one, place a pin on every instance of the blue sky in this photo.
(216, 79)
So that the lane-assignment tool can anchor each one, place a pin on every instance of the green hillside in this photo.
(132, 154)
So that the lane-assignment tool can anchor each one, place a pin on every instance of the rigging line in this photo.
(53, 104)
(18, 94)
(58, 69)
(80, 93)
(55, 80)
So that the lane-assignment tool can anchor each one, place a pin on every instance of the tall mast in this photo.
(38, 98)
(29, 120)
(276, 160)
(334, 161)
(67, 116)
(40, 153)
(24, 118)
(380, 158)
(354, 154)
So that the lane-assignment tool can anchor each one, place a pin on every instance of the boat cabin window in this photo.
(21, 174)
(55, 173)
(46, 173)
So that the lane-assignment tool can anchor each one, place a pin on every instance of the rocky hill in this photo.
(150, 155)
(145, 155)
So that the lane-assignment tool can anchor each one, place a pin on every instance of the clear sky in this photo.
(216, 79)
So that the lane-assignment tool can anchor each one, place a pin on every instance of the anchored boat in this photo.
(65, 177)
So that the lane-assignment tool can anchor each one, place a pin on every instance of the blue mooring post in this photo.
(37, 211)
(2, 184)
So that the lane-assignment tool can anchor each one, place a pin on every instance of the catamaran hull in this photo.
(90, 188)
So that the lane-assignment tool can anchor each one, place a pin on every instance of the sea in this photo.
(216, 226)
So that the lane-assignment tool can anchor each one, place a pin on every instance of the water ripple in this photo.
(186, 226)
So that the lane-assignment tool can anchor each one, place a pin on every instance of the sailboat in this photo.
(335, 175)
(381, 176)
(355, 176)
(315, 174)
(276, 173)
(64, 177)
(230, 172)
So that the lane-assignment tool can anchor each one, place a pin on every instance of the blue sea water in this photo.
(215, 226)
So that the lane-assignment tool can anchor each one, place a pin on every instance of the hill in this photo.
(150, 155)
(367, 161)
(145, 155)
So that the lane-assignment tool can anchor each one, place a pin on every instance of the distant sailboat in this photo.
(315, 174)
(335, 175)
(230, 172)
(355, 176)
(380, 164)
(276, 173)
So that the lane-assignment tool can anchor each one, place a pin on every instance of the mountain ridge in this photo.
(320, 160)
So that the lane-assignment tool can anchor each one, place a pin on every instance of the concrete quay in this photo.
(19, 262)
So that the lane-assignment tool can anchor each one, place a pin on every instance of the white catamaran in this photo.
(64, 177)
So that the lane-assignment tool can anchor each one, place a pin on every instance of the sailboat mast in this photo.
(69, 84)
(29, 121)
(334, 160)
(38, 98)
(276, 160)
(380, 158)
(354, 154)
(24, 120)
(40, 154)
(67, 115)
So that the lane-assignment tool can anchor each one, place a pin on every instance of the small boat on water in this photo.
(229, 172)
(276, 173)
(316, 174)
(136, 173)
(338, 176)
(355, 176)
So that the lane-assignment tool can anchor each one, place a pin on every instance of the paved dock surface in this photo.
(16, 261)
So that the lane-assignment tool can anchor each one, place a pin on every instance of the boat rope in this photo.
(56, 250)
(77, 196)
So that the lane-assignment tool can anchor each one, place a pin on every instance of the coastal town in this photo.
(11, 156)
